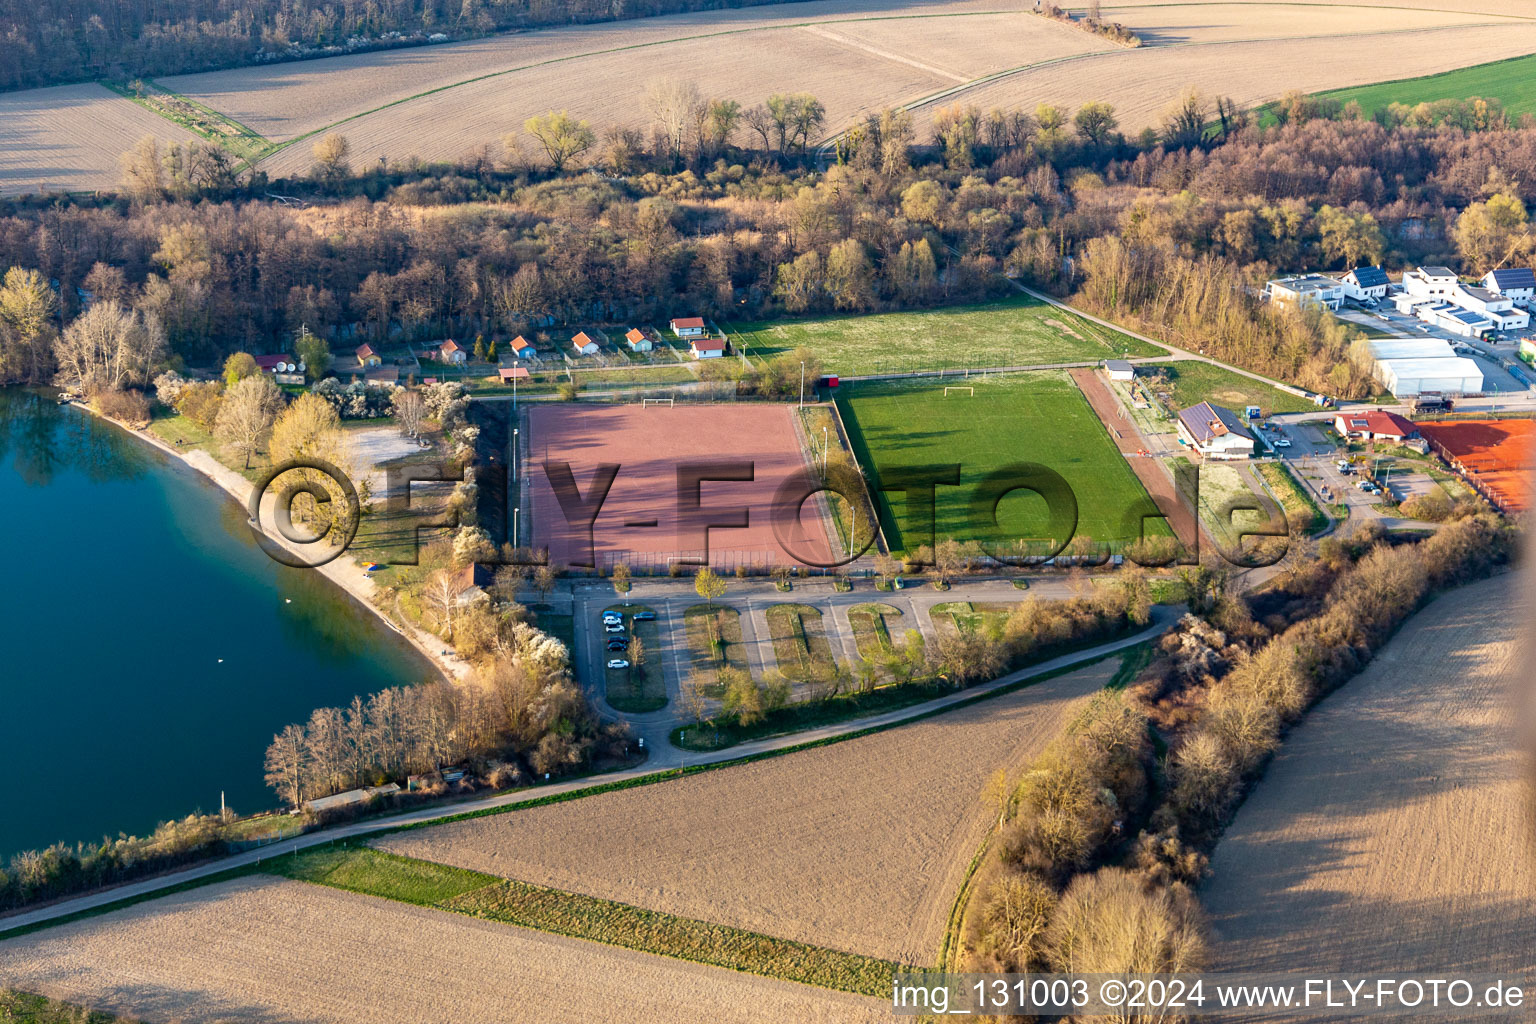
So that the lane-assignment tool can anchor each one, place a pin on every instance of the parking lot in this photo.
(1489, 354)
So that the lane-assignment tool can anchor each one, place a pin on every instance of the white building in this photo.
(1500, 309)
(1456, 320)
(1411, 348)
(1216, 433)
(1518, 283)
(1308, 289)
(1430, 283)
(583, 345)
(1119, 369)
(1366, 284)
(1407, 378)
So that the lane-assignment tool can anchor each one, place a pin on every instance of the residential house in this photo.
(1375, 425)
(707, 348)
(1119, 369)
(1215, 432)
(366, 356)
(1456, 320)
(1366, 284)
(469, 586)
(521, 348)
(451, 352)
(689, 327)
(1305, 290)
(382, 376)
(1430, 283)
(637, 340)
(1518, 283)
(1499, 309)
(583, 345)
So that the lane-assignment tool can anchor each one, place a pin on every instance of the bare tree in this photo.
(287, 765)
(441, 593)
(331, 154)
(248, 411)
(678, 110)
(409, 411)
(544, 578)
(108, 346)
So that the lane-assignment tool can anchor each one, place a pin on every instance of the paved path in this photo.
(1163, 618)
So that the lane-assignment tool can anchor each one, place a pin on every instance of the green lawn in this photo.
(1297, 501)
(984, 617)
(1192, 382)
(639, 688)
(1018, 331)
(875, 627)
(366, 870)
(1012, 418)
(799, 640)
(1512, 82)
(714, 642)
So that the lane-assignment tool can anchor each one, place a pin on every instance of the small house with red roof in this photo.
(583, 345)
(637, 340)
(521, 348)
(1375, 425)
(366, 356)
(511, 373)
(451, 352)
(689, 327)
(707, 348)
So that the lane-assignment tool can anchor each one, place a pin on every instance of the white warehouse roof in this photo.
(1410, 376)
(1412, 348)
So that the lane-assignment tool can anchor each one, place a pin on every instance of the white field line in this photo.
(855, 44)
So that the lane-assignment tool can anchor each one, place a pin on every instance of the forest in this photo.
(1173, 231)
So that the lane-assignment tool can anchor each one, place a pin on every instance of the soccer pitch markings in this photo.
(1016, 331)
(1012, 418)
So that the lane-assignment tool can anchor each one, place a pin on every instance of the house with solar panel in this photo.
(1366, 284)
(1215, 432)
(1518, 284)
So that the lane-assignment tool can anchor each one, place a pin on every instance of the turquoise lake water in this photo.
(150, 650)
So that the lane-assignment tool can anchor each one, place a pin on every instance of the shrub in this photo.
(1111, 921)
(126, 406)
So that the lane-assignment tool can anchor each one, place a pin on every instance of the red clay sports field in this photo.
(1494, 456)
(649, 444)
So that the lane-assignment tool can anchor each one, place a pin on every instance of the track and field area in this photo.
(1391, 833)
(1512, 82)
(641, 522)
(1494, 456)
(1011, 418)
(265, 949)
(1017, 331)
(859, 846)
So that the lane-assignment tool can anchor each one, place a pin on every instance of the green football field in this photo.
(1512, 82)
(1012, 418)
(1018, 331)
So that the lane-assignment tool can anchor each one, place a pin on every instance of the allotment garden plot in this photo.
(1015, 418)
(1018, 331)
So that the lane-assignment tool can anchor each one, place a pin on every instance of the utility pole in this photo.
(825, 450)
(802, 384)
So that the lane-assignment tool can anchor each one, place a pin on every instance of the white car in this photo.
(609, 618)
(613, 627)
(618, 663)
(1282, 442)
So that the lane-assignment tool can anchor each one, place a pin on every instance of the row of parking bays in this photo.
(618, 635)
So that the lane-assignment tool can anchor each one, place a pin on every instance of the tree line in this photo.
(713, 216)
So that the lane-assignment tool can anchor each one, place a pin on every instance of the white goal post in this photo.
(657, 401)
(967, 388)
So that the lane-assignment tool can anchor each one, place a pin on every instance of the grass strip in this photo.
(1298, 504)
(682, 938)
(376, 873)
(423, 883)
(18, 1007)
(799, 644)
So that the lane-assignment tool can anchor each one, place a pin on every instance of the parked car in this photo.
(1282, 442)
(613, 627)
(645, 616)
(618, 663)
(1364, 485)
(618, 643)
(609, 618)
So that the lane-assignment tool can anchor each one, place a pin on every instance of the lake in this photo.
(151, 650)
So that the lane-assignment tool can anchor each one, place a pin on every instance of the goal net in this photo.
(968, 389)
(657, 401)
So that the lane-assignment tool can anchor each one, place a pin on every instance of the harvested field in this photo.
(1494, 456)
(1142, 83)
(1228, 22)
(69, 138)
(640, 522)
(858, 846)
(1391, 832)
(279, 951)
